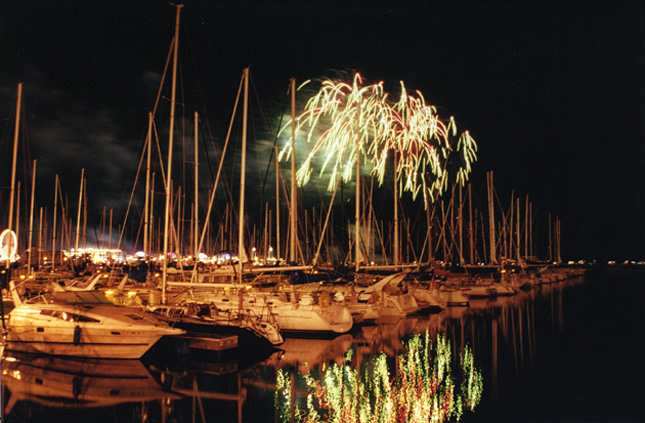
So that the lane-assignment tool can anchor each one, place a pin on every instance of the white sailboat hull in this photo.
(291, 316)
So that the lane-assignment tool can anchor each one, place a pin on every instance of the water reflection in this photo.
(36, 382)
(435, 366)
(416, 385)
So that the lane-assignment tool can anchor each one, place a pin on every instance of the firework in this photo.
(343, 122)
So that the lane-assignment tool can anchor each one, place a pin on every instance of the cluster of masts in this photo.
(377, 255)
(447, 233)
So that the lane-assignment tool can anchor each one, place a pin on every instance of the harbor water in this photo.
(570, 351)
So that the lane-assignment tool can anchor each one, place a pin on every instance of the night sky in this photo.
(553, 92)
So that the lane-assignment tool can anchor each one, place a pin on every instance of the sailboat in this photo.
(200, 320)
(195, 317)
(291, 313)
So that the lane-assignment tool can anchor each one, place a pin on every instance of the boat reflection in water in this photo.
(33, 382)
(432, 367)
(327, 378)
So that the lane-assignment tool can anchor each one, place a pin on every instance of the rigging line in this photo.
(163, 77)
(267, 124)
(134, 186)
(200, 92)
(270, 161)
(203, 142)
(215, 182)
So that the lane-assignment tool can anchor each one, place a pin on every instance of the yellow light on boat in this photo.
(109, 292)
(156, 275)
(22, 276)
(132, 293)
(106, 276)
(248, 287)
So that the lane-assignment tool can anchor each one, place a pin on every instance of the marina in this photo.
(540, 355)
(312, 248)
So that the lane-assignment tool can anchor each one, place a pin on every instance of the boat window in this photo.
(67, 316)
(80, 297)
(135, 316)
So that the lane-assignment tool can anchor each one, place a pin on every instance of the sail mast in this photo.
(15, 156)
(78, 212)
(277, 203)
(357, 217)
(491, 218)
(396, 238)
(148, 193)
(170, 141)
(243, 175)
(196, 209)
(54, 224)
(293, 213)
(31, 216)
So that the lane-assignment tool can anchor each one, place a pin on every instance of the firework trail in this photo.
(343, 121)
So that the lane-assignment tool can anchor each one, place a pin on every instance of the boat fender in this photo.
(77, 335)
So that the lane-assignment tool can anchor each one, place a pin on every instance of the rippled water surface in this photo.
(571, 351)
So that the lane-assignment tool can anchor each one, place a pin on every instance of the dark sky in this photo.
(553, 92)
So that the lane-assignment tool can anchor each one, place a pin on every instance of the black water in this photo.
(566, 352)
(588, 364)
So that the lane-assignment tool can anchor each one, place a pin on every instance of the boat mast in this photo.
(491, 218)
(471, 239)
(40, 238)
(460, 224)
(31, 215)
(531, 229)
(243, 176)
(148, 193)
(397, 247)
(13, 168)
(196, 210)
(110, 231)
(293, 213)
(277, 203)
(170, 141)
(17, 231)
(54, 224)
(15, 156)
(517, 230)
(526, 228)
(357, 209)
(85, 214)
(550, 240)
(78, 213)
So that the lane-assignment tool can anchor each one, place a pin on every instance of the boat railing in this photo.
(250, 317)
